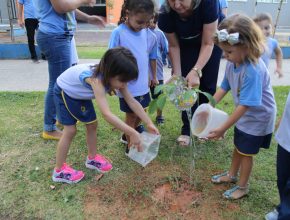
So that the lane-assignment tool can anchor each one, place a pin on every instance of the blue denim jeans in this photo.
(57, 50)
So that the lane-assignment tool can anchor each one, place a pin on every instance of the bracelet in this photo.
(198, 71)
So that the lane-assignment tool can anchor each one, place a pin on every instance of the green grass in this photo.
(91, 52)
(26, 163)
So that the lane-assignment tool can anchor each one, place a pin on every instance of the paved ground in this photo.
(23, 75)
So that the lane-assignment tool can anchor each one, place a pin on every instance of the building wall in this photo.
(249, 8)
(113, 8)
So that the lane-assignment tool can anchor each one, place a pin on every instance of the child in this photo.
(162, 45)
(224, 6)
(283, 164)
(74, 90)
(248, 79)
(133, 34)
(264, 21)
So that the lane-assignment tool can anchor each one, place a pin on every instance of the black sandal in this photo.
(160, 120)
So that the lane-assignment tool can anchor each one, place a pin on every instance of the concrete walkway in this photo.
(23, 75)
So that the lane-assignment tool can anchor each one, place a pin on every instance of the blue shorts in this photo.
(144, 100)
(155, 96)
(250, 145)
(70, 110)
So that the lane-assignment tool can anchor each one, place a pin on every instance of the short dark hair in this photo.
(117, 61)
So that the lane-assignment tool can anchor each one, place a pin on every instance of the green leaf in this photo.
(161, 101)
(208, 96)
(152, 106)
(169, 89)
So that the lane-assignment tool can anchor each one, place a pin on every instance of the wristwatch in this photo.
(198, 71)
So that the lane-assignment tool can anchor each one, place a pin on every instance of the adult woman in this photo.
(189, 26)
(56, 29)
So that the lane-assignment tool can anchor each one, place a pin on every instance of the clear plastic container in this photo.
(150, 143)
(205, 119)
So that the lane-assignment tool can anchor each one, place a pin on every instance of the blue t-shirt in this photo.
(223, 4)
(72, 82)
(189, 31)
(162, 45)
(29, 11)
(143, 45)
(272, 44)
(250, 86)
(52, 22)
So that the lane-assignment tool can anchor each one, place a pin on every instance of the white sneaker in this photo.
(272, 215)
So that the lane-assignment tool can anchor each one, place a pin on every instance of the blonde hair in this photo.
(194, 4)
(250, 35)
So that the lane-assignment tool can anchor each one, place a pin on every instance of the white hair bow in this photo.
(223, 35)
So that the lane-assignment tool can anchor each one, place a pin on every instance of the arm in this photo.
(63, 6)
(237, 114)
(204, 54)
(225, 11)
(103, 105)
(174, 53)
(279, 58)
(20, 15)
(138, 110)
(91, 19)
(219, 95)
(153, 66)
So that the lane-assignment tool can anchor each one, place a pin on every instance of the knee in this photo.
(70, 131)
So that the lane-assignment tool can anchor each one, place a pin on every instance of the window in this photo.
(272, 1)
(100, 2)
(237, 0)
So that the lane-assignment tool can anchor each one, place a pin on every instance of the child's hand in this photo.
(97, 20)
(91, 3)
(217, 134)
(135, 141)
(279, 72)
(152, 129)
(154, 82)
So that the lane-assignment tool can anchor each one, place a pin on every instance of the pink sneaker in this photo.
(67, 175)
(99, 163)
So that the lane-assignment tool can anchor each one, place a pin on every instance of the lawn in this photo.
(91, 52)
(159, 191)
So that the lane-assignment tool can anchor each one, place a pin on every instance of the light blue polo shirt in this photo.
(29, 10)
(72, 82)
(283, 132)
(162, 45)
(223, 4)
(272, 44)
(143, 45)
(250, 86)
(51, 22)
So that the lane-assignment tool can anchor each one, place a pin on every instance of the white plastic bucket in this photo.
(205, 119)
(150, 143)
